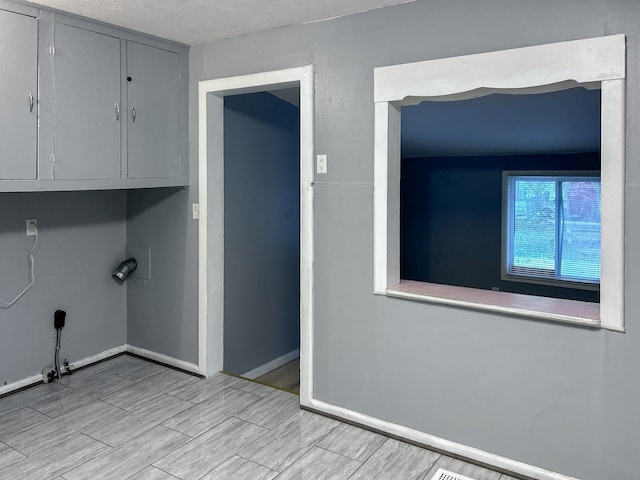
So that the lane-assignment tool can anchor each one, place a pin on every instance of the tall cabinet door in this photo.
(87, 105)
(18, 96)
(154, 112)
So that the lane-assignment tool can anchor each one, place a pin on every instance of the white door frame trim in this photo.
(211, 198)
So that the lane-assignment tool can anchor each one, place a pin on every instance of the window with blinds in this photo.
(551, 228)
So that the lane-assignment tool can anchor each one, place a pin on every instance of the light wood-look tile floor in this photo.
(127, 418)
(286, 377)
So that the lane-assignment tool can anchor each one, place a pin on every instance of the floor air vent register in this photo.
(443, 474)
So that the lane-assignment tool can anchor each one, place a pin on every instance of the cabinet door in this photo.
(86, 103)
(154, 115)
(18, 92)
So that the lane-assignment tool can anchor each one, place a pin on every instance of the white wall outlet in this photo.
(32, 227)
(321, 164)
(195, 211)
(48, 374)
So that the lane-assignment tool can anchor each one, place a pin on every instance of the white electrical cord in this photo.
(3, 303)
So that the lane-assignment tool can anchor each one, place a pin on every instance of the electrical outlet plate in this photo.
(32, 227)
(46, 374)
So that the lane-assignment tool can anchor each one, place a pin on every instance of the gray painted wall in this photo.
(81, 239)
(162, 312)
(261, 230)
(451, 220)
(557, 396)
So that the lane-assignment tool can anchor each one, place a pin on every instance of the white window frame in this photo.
(507, 225)
(592, 63)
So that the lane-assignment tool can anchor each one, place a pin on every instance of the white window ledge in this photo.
(556, 309)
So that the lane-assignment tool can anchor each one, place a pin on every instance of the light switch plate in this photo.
(321, 164)
(195, 211)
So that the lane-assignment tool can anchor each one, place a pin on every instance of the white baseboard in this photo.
(272, 365)
(167, 360)
(431, 441)
(96, 358)
(174, 362)
(25, 382)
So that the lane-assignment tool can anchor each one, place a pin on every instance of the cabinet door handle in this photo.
(30, 102)
(133, 114)
(117, 111)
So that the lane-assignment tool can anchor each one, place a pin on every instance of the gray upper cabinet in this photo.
(153, 97)
(18, 96)
(87, 105)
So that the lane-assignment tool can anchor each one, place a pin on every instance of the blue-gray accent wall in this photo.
(451, 220)
(261, 230)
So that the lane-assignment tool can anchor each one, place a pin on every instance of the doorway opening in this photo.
(214, 299)
(262, 237)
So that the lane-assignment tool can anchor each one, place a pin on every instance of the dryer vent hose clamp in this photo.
(125, 269)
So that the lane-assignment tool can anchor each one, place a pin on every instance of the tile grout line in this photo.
(178, 431)
(158, 468)
(15, 450)
(294, 462)
(258, 397)
(250, 423)
(230, 415)
(342, 424)
(153, 464)
(256, 463)
(30, 427)
(162, 422)
(424, 477)
(237, 455)
(275, 426)
(109, 449)
(180, 398)
(279, 472)
(340, 454)
(33, 427)
(365, 462)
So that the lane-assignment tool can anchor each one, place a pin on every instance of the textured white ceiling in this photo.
(203, 21)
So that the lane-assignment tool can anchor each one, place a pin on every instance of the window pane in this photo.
(534, 226)
(580, 230)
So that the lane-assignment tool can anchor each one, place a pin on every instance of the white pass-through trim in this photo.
(565, 63)
(592, 63)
